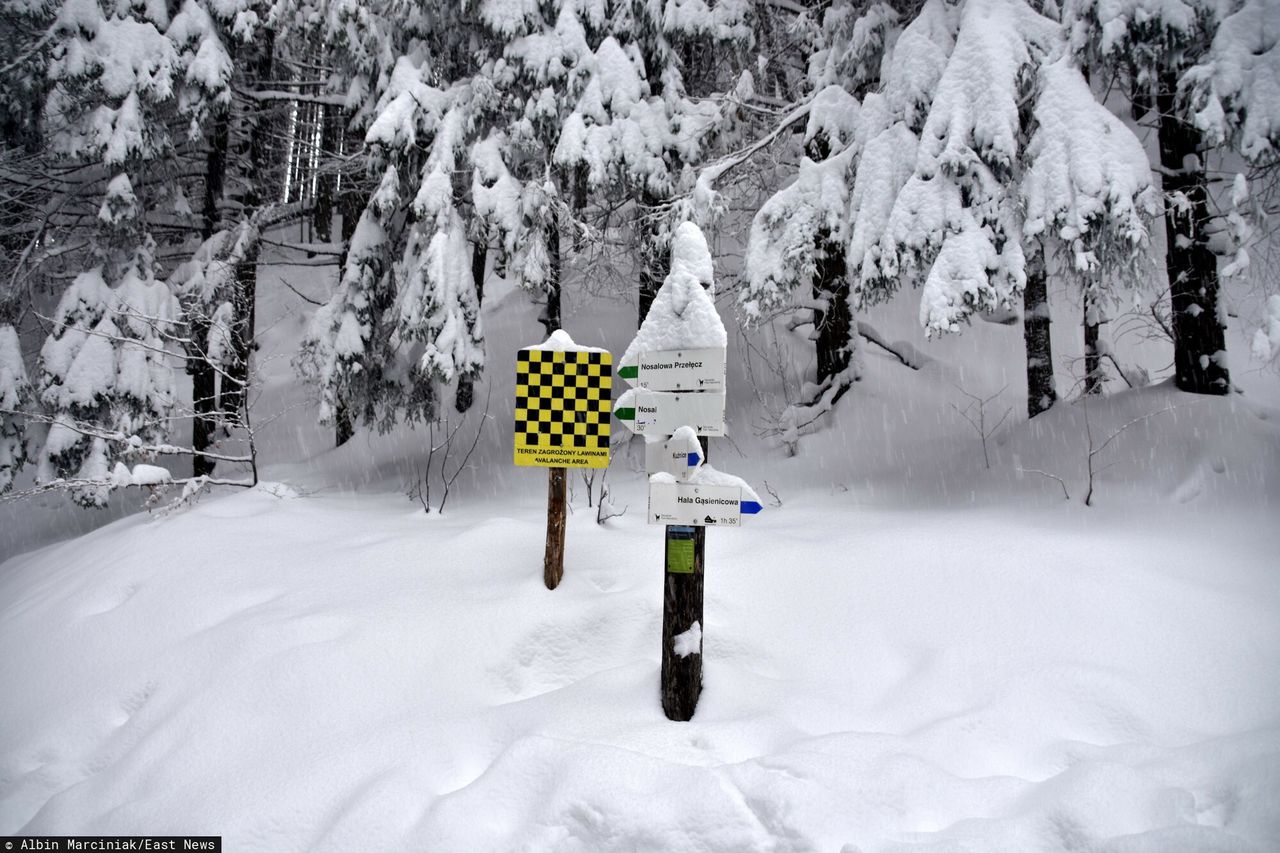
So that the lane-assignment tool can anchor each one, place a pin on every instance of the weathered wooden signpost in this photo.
(563, 396)
(676, 364)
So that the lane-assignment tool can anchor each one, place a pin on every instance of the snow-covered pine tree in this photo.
(955, 225)
(207, 287)
(395, 330)
(105, 372)
(520, 180)
(131, 88)
(961, 221)
(344, 352)
(438, 305)
(1234, 93)
(969, 117)
(1203, 70)
(15, 394)
(77, 374)
(796, 251)
(25, 38)
(211, 292)
(629, 126)
(1088, 198)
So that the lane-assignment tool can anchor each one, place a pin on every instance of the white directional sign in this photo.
(678, 456)
(698, 506)
(663, 412)
(678, 370)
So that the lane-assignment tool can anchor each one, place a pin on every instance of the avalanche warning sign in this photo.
(563, 406)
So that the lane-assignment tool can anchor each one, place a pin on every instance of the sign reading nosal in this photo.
(663, 412)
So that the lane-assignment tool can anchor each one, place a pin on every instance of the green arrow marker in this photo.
(631, 371)
(626, 413)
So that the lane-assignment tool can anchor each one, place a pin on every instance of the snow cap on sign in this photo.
(561, 342)
(689, 254)
(685, 440)
(683, 315)
(705, 475)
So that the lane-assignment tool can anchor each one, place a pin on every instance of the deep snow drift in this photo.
(911, 651)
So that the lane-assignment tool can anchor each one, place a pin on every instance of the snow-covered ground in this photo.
(911, 651)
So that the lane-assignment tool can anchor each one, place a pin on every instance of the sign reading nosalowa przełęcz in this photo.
(563, 406)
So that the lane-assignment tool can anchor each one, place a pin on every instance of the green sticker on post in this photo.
(680, 556)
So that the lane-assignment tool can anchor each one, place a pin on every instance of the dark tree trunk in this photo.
(466, 393)
(1041, 393)
(237, 372)
(551, 317)
(351, 203)
(203, 393)
(322, 215)
(254, 180)
(580, 174)
(655, 260)
(1199, 340)
(215, 174)
(479, 264)
(1093, 375)
(343, 428)
(834, 323)
(203, 375)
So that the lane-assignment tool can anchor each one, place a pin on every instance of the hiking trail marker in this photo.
(660, 413)
(563, 401)
(678, 370)
(676, 364)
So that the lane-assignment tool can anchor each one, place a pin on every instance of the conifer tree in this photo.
(15, 394)
(970, 122)
(1205, 73)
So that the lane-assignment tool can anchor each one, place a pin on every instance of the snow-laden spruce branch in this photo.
(723, 166)
(131, 441)
(158, 326)
(71, 483)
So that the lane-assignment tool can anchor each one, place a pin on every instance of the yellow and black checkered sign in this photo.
(563, 407)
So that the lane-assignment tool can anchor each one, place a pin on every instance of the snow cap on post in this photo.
(705, 475)
(559, 341)
(683, 315)
(689, 254)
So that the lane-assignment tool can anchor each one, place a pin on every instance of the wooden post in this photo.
(681, 608)
(553, 562)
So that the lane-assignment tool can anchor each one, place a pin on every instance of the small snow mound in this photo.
(708, 476)
(561, 342)
(149, 475)
(1266, 340)
(689, 642)
(277, 490)
(705, 475)
(120, 476)
(690, 255)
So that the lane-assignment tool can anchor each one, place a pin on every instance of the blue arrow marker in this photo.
(693, 459)
(749, 507)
